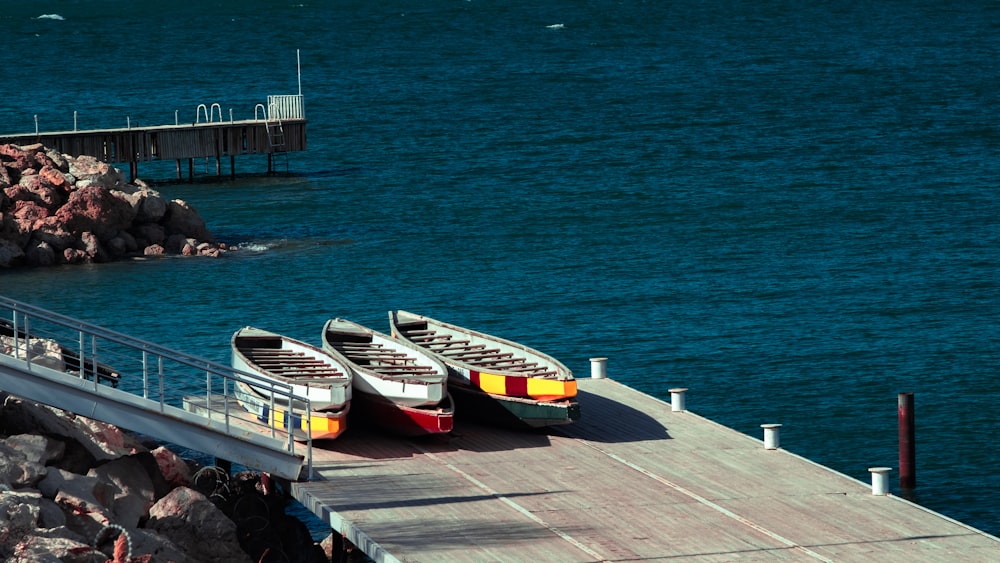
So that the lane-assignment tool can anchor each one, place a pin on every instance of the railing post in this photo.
(27, 341)
(93, 360)
(83, 351)
(145, 374)
(160, 377)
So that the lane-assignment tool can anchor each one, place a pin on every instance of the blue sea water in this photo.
(789, 208)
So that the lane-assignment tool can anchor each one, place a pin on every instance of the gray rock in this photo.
(133, 492)
(16, 470)
(191, 521)
(37, 449)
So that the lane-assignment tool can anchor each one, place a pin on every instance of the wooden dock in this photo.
(630, 481)
(279, 128)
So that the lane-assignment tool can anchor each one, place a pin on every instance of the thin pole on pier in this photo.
(907, 442)
(298, 68)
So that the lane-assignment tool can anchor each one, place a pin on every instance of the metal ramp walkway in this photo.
(139, 386)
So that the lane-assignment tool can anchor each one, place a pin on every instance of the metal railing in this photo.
(285, 107)
(162, 376)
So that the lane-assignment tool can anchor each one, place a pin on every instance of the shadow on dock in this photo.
(608, 421)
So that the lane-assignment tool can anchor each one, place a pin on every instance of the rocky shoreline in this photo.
(76, 490)
(58, 209)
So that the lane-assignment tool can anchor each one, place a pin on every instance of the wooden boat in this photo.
(322, 425)
(397, 385)
(530, 386)
(312, 373)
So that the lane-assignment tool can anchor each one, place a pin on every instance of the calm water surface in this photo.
(789, 209)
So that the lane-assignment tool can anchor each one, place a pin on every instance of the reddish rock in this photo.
(197, 526)
(52, 177)
(28, 213)
(93, 248)
(174, 469)
(74, 256)
(58, 209)
(96, 210)
(17, 192)
(43, 193)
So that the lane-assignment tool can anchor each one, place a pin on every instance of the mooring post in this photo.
(907, 443)
(880, 480)
(677, 399)
(771, 440)
(598, 368)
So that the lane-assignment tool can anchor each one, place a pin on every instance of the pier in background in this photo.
(278, 128)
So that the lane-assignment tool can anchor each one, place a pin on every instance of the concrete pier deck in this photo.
(630, 481)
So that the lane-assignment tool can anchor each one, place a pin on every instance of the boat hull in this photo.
(513, 412)
(311, 372)
(323, 425)
(378, 411)
(493, 364)
(507, 399)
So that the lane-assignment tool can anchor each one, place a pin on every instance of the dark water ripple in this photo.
(790, 209)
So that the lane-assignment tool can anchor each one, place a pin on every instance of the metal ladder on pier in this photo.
(275, 138)
(139, 386)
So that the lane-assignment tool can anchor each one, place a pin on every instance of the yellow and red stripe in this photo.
(535, 388)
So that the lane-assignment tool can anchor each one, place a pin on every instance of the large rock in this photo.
(16, 470)
(183, 219)
(101, 440)
(85, 501)
(188, 519)
(10, 254)
(97, 210)
(55, 209)
(133, 492)
(89, 170)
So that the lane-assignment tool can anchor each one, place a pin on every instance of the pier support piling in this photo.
(907, 442)
(771, 439)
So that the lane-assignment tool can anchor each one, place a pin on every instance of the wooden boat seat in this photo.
(385, 370)
(378, 355)
(267, 350)
(290, 362)
(356, 346)
(456, 349)
(477, 354)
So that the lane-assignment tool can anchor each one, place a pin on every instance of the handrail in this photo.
(215, 106)
(29, 325)
(261, 108)
(197, 113)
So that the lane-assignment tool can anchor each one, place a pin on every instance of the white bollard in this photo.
(771, 441)
(880, 480)
(598, 368)
(677, 399)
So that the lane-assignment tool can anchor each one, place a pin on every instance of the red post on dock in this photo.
(907, 443)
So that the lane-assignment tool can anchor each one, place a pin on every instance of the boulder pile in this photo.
(57, 209)
(76, 490)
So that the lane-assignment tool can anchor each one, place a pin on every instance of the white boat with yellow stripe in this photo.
(310, 372)
(534, 387)
(320, 425)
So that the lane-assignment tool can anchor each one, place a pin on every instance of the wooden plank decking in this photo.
(630, 481)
